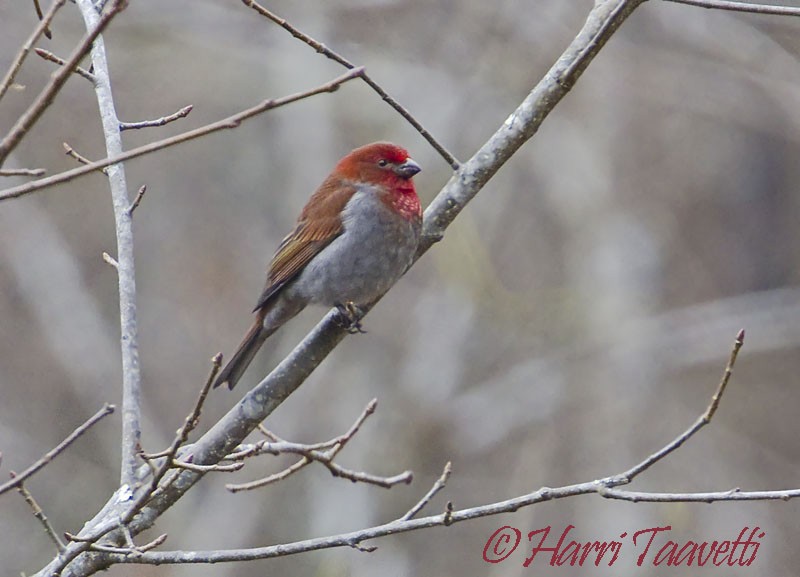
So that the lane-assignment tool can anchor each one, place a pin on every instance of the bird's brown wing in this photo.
(319, 223)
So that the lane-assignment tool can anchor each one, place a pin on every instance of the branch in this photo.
(50, 57)
(39, 514)
(742, 7)
(324, 50)
(182, 113)
(23, 172)
(57, 81)
(701, 422)
(227, 123)
(437, 486)
(26, 48)
(324, 453)
(129, 340)
(57, 450)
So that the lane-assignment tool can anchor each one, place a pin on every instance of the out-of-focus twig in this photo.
(50, 57)
(26, 48)
(224, 124)
(23, 172)
(57, 450)
(57, 80)
(38, 8)
(336, 57)
(39, 514)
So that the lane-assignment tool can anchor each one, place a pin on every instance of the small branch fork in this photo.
(160, 464)
(336, 57)
(323, 453)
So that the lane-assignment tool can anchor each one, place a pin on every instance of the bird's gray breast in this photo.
(359, 265)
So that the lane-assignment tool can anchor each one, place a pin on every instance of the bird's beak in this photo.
(408, 169)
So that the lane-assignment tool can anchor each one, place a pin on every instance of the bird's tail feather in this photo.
(244, 354)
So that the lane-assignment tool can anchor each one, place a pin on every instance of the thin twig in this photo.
(182, 113)
(130, 550)
(110, 260)
(189, 424)
(231, 468)
(227, 123)
(138, 199)
(39, 514)
(437, 486)
(57, 450)
(71, 152)
(23, 172)
(57, 80)
(701, 421)
(264, 481)
(50, 57)
(324, 453)
(336, 57)
(26, 48)
(38, 8)
(742, 7)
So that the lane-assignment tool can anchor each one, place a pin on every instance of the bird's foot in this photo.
(349, 318)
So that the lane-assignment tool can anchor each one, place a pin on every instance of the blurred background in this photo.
(576, 317)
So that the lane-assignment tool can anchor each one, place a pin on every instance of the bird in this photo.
(356, 236)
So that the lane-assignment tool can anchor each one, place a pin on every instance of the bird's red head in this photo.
(387, 165)
(381, 163)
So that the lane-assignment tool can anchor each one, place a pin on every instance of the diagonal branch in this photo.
(57, 81)
(336, 57)
(226, 123)
(26, 48)
(57, 450)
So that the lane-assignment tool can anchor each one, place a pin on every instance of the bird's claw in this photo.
(349, 318)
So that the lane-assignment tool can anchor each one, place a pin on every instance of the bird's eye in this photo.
(383, 162)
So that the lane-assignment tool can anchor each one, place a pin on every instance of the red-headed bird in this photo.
(354, 238)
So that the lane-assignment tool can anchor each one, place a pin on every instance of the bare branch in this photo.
(57, 450)
(126, 276)
(38, 8)
(324, 50)
(227, 123)
(701, 422)
(320, 452)
(437, 486)
(742, 7)
(57, 81)
(26, 48)
(23, 172)
(732, 495)
(71, 152)
(39, 514)
(206, 468)
(50, 57)
(110, 260)
(138, 199)
(182, 113)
